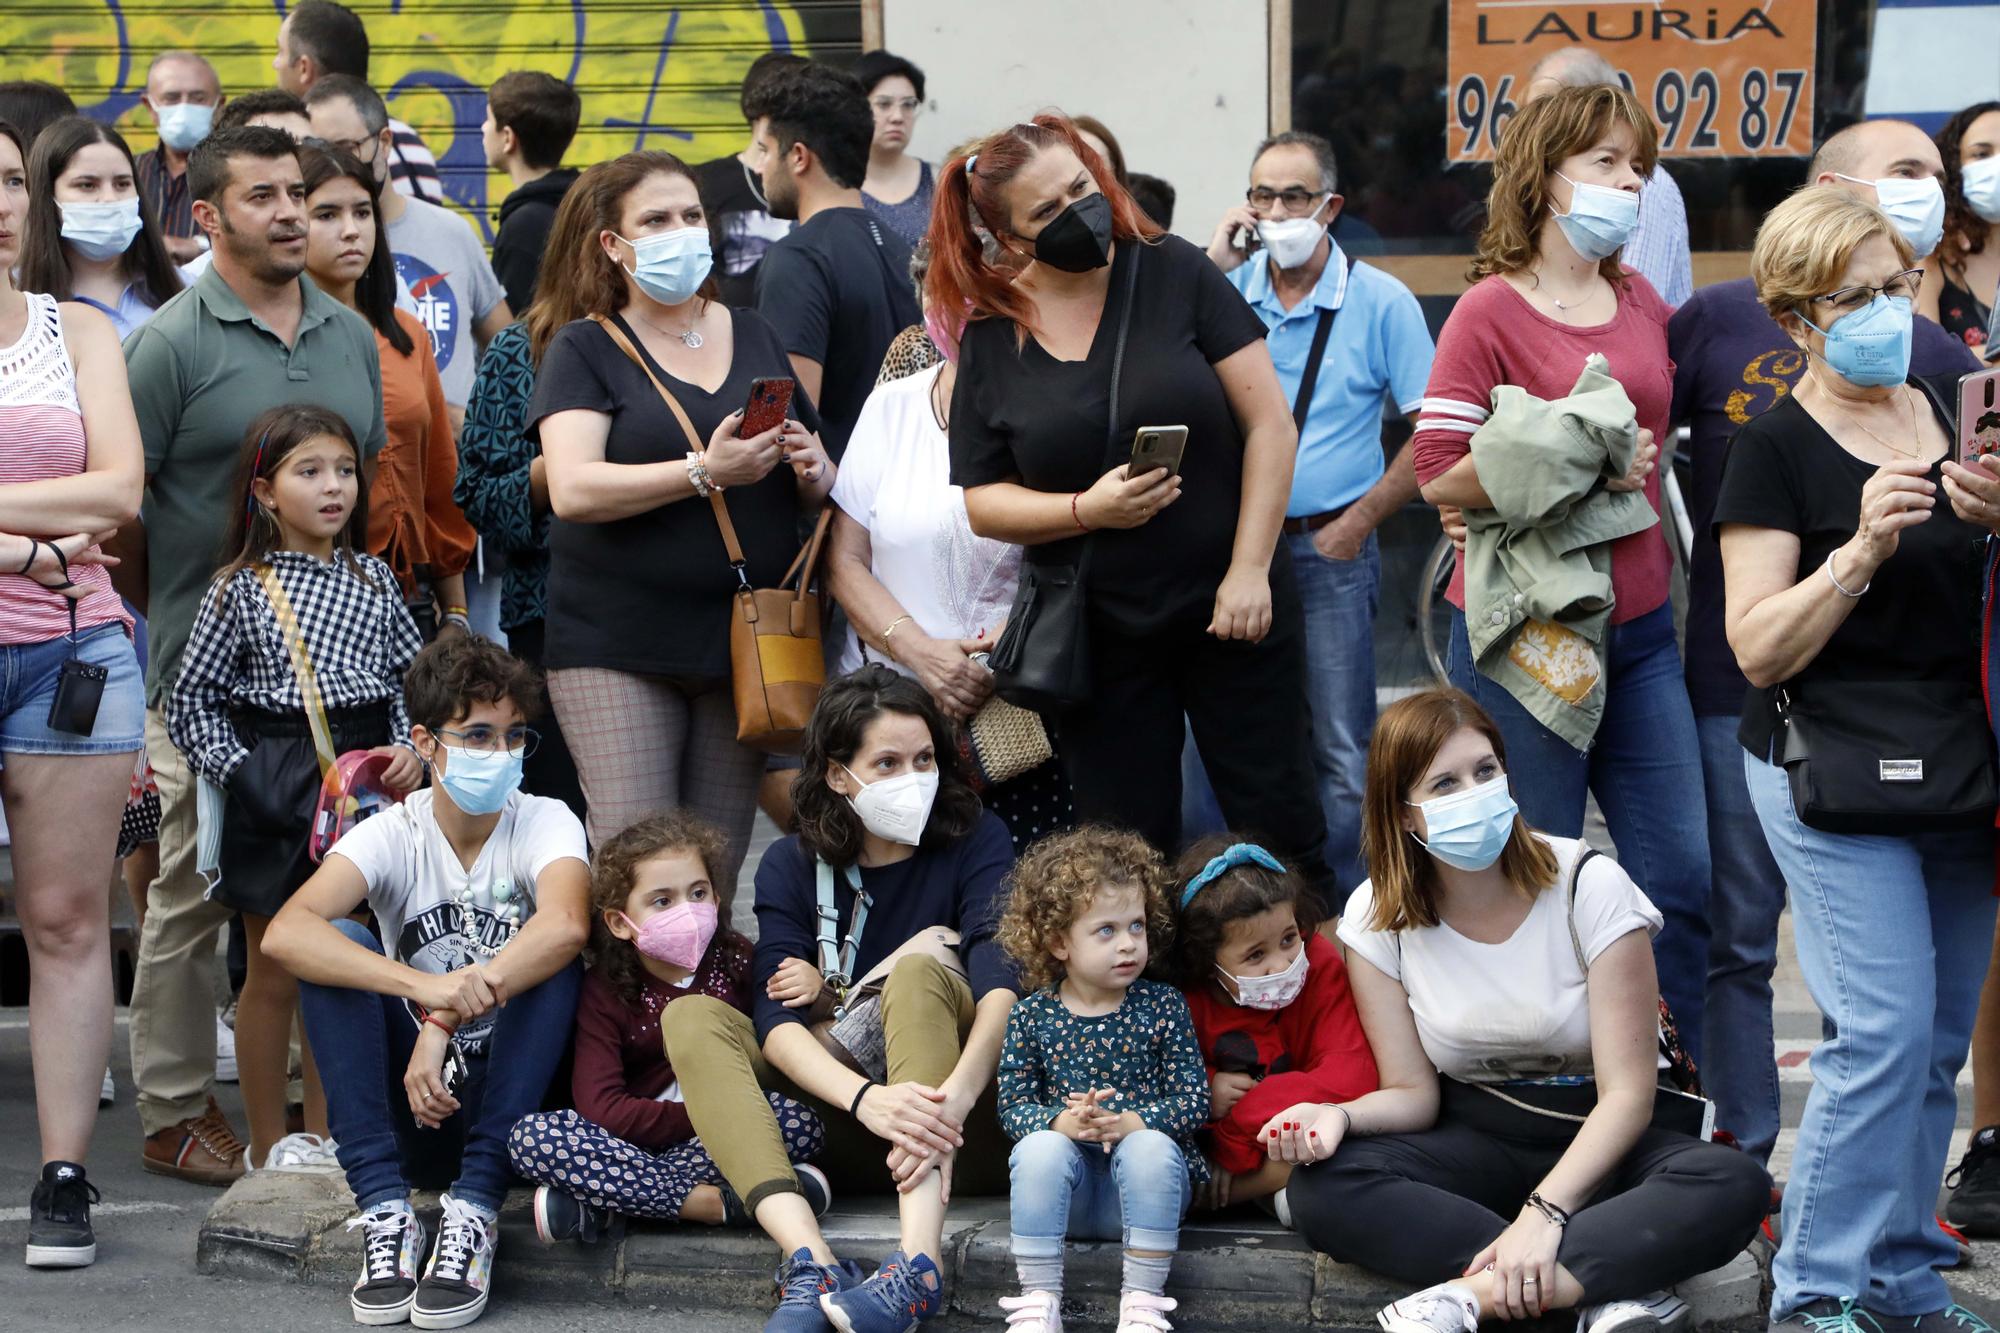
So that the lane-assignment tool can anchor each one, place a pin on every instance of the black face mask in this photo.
(1078, 239)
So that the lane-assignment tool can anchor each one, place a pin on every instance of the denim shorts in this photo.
(28, 675)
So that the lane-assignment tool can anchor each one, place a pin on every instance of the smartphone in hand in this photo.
(770, 403)
(1978, 415)
(1156, 447)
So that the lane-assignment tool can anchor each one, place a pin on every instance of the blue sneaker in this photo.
(903, 1293)
(801, 1284)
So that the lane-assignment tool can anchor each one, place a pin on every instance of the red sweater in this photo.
(1312, 1050)
(1495, 337)
(621, 1059)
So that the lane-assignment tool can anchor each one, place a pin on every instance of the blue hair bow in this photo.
(1237, 854)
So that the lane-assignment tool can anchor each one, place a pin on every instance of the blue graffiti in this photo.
(119, 100)
(645, 124)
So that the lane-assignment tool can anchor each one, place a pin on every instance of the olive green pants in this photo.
(927, 1011)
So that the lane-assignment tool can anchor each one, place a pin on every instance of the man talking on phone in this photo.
(1345, 337)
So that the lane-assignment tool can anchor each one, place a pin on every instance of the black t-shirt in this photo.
(741, 227)
(838, 291)
(1018, 414)
(652, 593)
(1919, 619)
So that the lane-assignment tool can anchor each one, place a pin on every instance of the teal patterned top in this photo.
(1145, 1048)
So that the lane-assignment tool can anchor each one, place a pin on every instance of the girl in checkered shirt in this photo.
(239, 714)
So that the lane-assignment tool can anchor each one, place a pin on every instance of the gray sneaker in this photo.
(1828, 1314)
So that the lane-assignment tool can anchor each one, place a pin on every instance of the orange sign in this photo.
(1726, 78)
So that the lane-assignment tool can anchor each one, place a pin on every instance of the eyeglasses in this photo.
(1849, 299)
(1295, 199)
(520, 741)
(909, 106)
(353, 147)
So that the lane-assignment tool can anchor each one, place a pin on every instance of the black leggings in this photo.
(1418, 1207)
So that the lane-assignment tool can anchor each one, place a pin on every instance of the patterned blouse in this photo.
(494, 459)
(1145, 1048)
(358, 634)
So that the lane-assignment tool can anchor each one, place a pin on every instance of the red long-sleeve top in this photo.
(621, 1058)
(1312, 1050)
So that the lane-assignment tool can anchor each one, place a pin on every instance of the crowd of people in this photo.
(1397, 1002)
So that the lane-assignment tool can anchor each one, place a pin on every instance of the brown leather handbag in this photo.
(776, 662)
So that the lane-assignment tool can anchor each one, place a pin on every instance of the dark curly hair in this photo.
(1239, 892)
(1054, 882)
(828, 827)
(612, 872)
(458, 670)
(1961, 224)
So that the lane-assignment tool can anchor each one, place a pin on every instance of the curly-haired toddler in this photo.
(1101, 1080)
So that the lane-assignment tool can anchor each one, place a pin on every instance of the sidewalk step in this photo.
(1232, 1273)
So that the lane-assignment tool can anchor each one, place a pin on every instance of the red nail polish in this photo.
(1315, 1133)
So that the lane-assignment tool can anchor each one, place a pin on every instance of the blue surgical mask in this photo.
(671, 265)
(1600, 219)
(184, 124)
(1870, 346)
(479, 783)
(1469, 829)
(101, 231)
(1979, 182)
(1915, 206)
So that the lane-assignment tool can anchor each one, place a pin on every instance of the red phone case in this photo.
(770, 402)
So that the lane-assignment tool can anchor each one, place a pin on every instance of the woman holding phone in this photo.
(640, 584)
(1187, 616)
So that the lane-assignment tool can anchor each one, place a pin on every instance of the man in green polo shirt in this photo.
(251, 334)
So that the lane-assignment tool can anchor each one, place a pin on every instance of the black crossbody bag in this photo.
(1042, 660)
(1888, 757)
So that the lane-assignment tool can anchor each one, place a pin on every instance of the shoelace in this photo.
(804, 1283)
(1964, 1318)
(462, 1237)
(901, 1287)
(383, 1241)
(212, 1132)
(1975, 1154)
(70, 1200)
(1141, 1309)
(1842, 1322)
(1037, 1309)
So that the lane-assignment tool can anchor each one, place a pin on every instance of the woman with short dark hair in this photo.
(899, 186)
(895, 874)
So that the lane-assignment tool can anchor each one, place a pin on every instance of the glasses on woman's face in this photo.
(1849, 299)
(909, 106)
(517, 741)
(1296, 200)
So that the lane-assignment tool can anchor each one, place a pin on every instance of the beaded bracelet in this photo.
(698, 476)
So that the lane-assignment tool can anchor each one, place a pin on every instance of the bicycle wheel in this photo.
(1433, 611)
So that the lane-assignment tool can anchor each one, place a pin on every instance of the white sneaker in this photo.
(1143, 1312)
(299, 1154)
(1643, 1314)
(1033, 1312)
(1281, 1208)
(225, 1051)
(1445, 1308)
(109, 1094)
(453, 1292)
(392, 1250)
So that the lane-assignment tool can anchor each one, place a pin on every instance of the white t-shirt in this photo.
(444, 262)
(895, 481)
(1491, 1013)
(415, 883)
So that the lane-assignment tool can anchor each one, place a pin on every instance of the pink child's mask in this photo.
(678, 936)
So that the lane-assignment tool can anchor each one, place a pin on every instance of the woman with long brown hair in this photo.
(1509, 1162)
(1187, 616)
(640, 583)
(1549, 293)
(90, 237)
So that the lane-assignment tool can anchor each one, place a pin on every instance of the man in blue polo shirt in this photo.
(1345, 337)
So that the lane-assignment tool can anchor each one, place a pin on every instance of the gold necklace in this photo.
(1863, 426)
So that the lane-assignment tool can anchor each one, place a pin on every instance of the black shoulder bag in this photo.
(1042, 660)
(1888, 756)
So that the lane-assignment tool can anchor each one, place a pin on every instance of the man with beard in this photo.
(250, 334)
(838, 288)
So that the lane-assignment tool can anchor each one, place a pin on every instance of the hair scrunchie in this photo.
(1237, 854)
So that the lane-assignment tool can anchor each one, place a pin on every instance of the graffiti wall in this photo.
(651, 75)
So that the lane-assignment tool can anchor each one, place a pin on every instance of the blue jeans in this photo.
(1644, 767)
(1746, 897)
(363, 1041)
(1136, 1193)
(1893, 936)
(28, 676)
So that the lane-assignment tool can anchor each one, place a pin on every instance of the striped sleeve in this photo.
(1463, 376)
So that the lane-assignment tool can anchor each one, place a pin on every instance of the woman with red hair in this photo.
(1187, 615)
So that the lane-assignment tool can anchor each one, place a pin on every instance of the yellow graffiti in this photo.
(650, 75)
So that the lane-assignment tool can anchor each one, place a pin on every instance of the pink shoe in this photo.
(1143, 1312)
(1033, 1312)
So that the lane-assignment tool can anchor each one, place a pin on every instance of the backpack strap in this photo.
(1575, 940)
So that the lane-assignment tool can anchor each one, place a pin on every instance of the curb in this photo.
(1233, 1273)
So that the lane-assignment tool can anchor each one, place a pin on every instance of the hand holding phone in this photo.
(1156, 447)
(770, 403)
(1978, 416)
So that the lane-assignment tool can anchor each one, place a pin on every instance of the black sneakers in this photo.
(392, 1254)
(59, 1234)
(1974, 1207)
(561, 1216)
(812, 1184)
